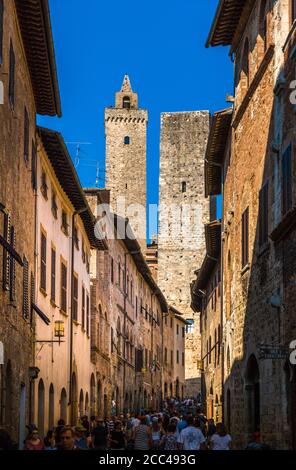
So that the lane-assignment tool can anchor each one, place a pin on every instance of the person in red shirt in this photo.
(34, 442)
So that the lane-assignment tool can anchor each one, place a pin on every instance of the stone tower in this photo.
(126, 131)
(183, 213)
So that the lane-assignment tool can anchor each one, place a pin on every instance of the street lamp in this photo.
(59, 329)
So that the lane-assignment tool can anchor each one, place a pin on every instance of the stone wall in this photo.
(181, 244)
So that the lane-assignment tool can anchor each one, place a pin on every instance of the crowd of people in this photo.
(166, 430)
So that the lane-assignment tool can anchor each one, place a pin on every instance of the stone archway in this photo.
(41, 407)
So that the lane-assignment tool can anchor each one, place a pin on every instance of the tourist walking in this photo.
(191, 438)
(142, 435)
(221, 440)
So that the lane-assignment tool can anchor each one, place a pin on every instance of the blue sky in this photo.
(160, 44)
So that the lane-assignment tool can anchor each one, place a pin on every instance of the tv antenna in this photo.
(78, 151)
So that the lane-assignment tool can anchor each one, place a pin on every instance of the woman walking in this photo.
(142, 435)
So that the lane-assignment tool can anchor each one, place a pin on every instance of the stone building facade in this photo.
(206, 299)
(126, 135)
(182, 214)
(64, 237)
(258, 177)
(29, 85)
(128, 343)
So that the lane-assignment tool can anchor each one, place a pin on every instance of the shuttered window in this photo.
(75, 297)
(34, 166)
(112, 270)
(263, 215)
(6, 256)
(12, 266)
(287, 179)
(43, 263)
(26, 135)
(293, 10)
(26, 300)
(245, 238)
(63, 287)
(87, 315)
(1, 30)
(139, 360)
(32, 296)
(112, 340)
(83, 308)
(53, 275)
(11, 88)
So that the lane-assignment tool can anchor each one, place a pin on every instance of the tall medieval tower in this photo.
(126, 137)
(183, 212)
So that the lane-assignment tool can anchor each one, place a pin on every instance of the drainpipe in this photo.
(72, 304)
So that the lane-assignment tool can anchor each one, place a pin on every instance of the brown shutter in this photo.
(34, 166)
(12, 266)
(63, 288)
(26, 289)
(75, 298)
(53, 275)
(83, 308)
(43, 262)
(87, 315)
(32, 297)
(6, 256)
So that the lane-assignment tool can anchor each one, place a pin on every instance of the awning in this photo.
(41, 314)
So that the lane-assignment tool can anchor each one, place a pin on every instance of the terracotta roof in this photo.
(213, 249)
(231, 18)
(35, 26)
(219, 130)
(65, 172)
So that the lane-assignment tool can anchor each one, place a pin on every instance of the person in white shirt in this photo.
(191, 438)
(221, 440)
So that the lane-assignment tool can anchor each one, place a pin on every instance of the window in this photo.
(76, 239)
(165, 355)
(177, 357)
(183, 186)
(54, 206)
(177, 329)
(112, 340)
(44, 186)
(43, 263)
(12, 266)
(26, 135)
(83, 308)
(87, 315)
(183, 359)
(65, 225)
(6, 256)
(1, 30)
(126, 140)
(63, 287)
(287, 179)
(183, 332)
(75, 297)
(190, 326)
(11, 87)
(33, 166)
(171, 323)
(293, 10)
(246, 63)
(53, 275)
(245, 238)
(263, 215)
(126, 102)
(83, 252)
(25, 288)
(112, 270)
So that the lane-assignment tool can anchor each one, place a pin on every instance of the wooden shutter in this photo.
(112, 270)
(43, 262)
(11, 88)
(87, 315)
(83, 308)
(53, 275)
(287, 179)
(26, 300)
(26, 135)
(63, 288)
(245, 238)
(139, 360)
(6, 256)
(32, 297)
(75, 298)
(1, 30)
(34, 166)
(12, 266)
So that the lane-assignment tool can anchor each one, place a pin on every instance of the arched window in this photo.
(126, 102)
(41, 407)
(126, 140)
(263, 23)
(51, 417)
(246, 63)
(63, 405)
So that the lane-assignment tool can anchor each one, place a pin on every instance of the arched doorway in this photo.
(99, 399)
(92, 395)
(81, 404)
(86, 404)
(51, 417)
(8, 395)
(63, 405)
(74, 404)
(252, 388)
(22, 416)
(41, 408)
